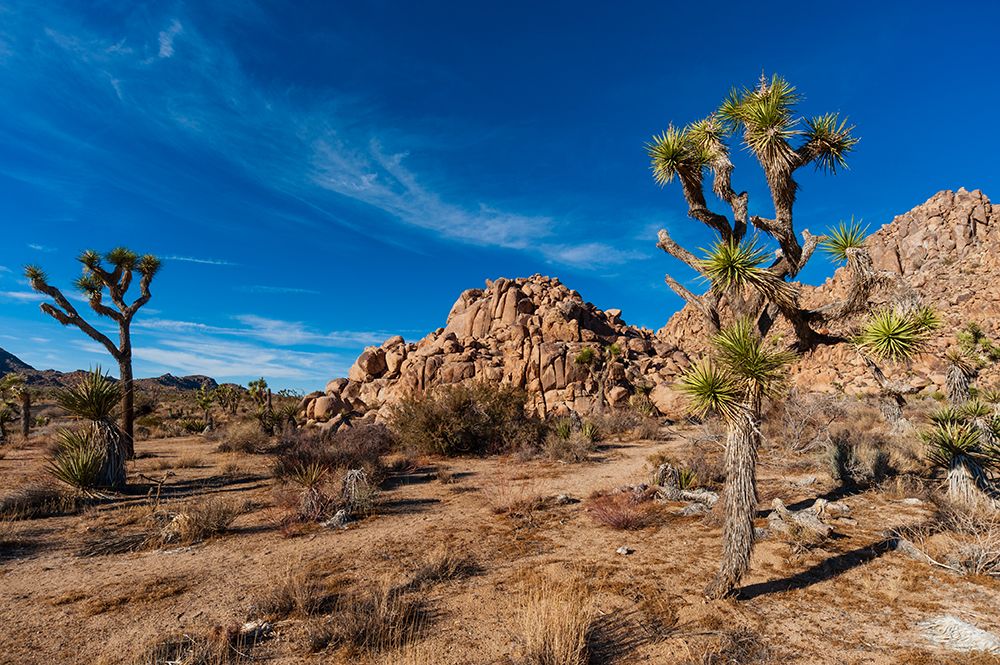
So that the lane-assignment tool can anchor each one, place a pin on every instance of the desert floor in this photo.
(852, 600)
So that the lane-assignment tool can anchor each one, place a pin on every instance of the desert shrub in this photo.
(37, 501)
(359, 447)
(641, 404)
(620, 510)
(556, 622)
(574, 448)
(709, 471)
(974, 544)
(243, 436)
(476, 419)
(11, 533)
(801, 421)
(856, 459)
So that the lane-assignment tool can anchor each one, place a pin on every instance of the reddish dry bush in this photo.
(622, 510)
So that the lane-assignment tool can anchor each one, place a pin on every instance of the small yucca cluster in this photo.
(90, 456)
(965, 443)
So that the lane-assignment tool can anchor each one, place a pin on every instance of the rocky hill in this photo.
(529, 331)
(51, 378)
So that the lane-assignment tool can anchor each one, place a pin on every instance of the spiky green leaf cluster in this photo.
(766, 116)
(742, 372)
(829, 139)
(739, 265)
(673, 153)
(95, 397)
(949, 441)
(710, 388)
(893, 334)
(847, 235)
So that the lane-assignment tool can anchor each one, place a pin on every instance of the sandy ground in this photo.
(854, 600)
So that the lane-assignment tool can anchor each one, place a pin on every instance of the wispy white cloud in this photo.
(317, 151)
(40, 248)
(167, 38)
(22, 296)
(258, 288)
(591, 254)
(272, 331)
(194, 259)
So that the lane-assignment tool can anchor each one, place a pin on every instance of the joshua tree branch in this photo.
(670, 246)
(69, 316)
(703, 304)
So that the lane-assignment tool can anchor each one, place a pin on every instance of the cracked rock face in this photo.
(528, 331)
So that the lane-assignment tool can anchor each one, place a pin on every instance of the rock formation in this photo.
(529, 331)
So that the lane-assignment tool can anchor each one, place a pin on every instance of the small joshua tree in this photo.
(261, 396)
(734, 383)
(205, 397)
(11, 386)
(229, 397)
(964, 443)
(115, 279)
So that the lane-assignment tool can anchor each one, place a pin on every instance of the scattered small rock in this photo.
(565, 499)
(911, 501)
(338, 521)
(624, 551)
(256, 631)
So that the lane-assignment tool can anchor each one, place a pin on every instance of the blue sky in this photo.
(320, 175)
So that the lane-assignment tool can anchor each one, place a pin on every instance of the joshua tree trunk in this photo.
(114, 442)
(957, 382)
(967, 483)
(128, 397)
(25, 413)
(740, 503)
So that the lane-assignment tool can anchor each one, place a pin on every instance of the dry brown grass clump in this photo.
(37, 501)
(556, 622)
(242, 436)
(441, 564)
(514, 498)
(740, 646)
(218, 646)
(200, 521)
(11, 534)
(296, 593)
(621, 510)
(366, 623)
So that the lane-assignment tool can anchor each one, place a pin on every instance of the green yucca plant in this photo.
(847, 235)
(308, 475)
(892, 334)
(959, 440)
(975, 410)
(687, 479)
(947, 416)
(95, 397)
(79, 459)
(590, 433)
(709, 388)
(563, 428)
(990, 396)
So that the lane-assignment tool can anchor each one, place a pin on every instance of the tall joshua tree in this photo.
(747, 284)
(115, 278)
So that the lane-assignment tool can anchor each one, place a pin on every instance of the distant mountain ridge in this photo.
(50, 378)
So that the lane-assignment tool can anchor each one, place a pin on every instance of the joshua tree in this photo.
(11, 386)
(894, 334)
(598, 364)
(734, 383)
(205, 398)
(974, 352)
(25, 394)
(261, 396)
(93, 456)
(746, 283)
(116, 279)
(229, 396)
